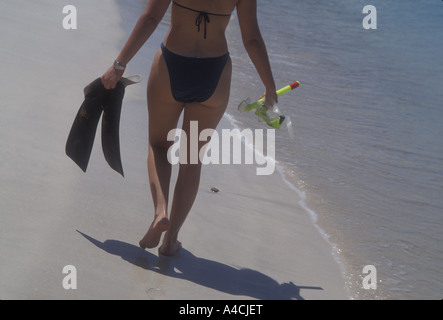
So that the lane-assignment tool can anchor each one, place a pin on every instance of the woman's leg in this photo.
(207, 115)
(164, 113)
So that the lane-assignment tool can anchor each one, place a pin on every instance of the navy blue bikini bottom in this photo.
(193, 79)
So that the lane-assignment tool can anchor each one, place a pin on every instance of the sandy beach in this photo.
(251, 240)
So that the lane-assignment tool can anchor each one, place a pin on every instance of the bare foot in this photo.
(170, 250)
(152, 237)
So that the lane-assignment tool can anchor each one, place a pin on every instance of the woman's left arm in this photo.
(146, 25)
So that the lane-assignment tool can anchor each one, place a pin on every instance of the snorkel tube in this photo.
(272, 117)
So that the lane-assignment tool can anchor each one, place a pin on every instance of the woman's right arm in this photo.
(255, 45)
(146, 25)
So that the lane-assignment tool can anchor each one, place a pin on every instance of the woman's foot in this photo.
(170, 249)
(152, 237)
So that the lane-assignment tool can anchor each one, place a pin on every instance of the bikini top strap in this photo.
(198, 11)
(202, 16)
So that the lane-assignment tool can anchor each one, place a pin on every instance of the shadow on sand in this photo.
(208, 273)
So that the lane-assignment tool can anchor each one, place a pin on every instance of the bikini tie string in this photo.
(202, 17)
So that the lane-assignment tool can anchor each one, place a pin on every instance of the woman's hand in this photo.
(271, 98)
(111, 77)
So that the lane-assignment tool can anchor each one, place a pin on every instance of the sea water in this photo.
(367, 158)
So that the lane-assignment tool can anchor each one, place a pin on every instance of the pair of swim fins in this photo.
(98, 101)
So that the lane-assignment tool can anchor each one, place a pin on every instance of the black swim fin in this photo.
(82, 134)
(110, 127)
(99, 100)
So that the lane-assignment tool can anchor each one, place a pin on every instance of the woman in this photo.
(190, 73)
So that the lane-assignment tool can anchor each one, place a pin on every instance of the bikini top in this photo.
(202, 16)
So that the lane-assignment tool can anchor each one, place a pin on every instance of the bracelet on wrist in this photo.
(119, 66)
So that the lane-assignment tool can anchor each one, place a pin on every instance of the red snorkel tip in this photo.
(295, 84)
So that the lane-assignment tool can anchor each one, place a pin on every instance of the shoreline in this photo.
(302, 202)
(229, 122)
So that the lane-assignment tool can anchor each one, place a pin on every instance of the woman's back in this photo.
(198, 27)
